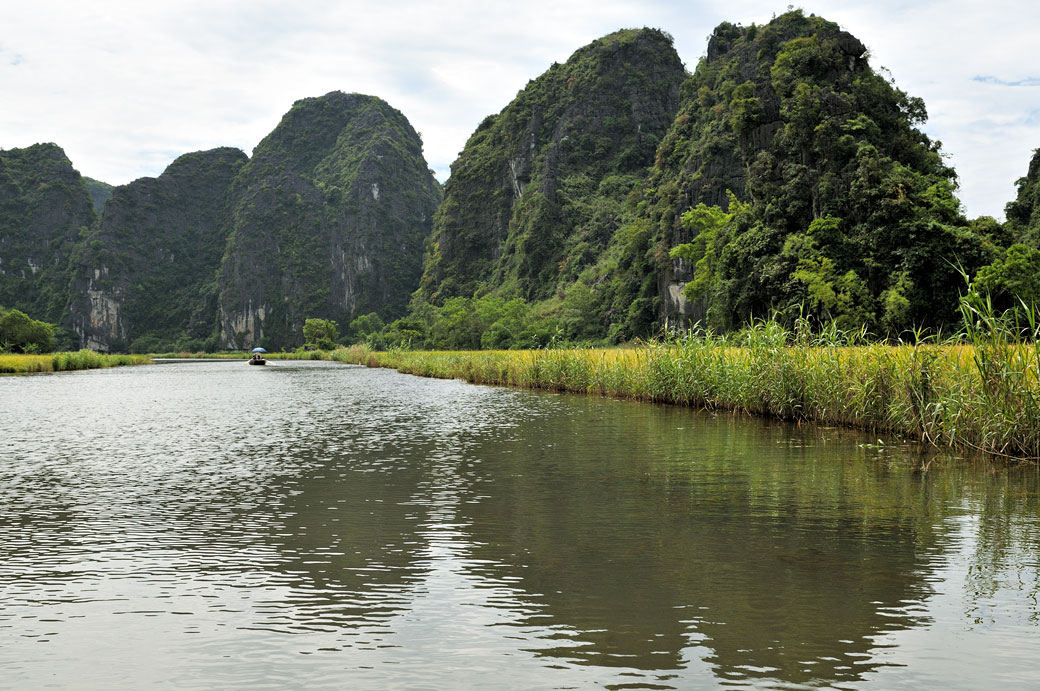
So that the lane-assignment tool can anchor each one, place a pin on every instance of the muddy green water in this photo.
(312, 525)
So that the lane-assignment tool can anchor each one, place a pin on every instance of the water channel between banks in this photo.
(316, 525)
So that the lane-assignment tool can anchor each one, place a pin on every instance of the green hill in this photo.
(536, 194)
(44, 209)
(145, 277)
(842, 207)
(328, 220)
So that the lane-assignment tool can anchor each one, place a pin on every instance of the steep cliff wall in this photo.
(148, 270)
(44, 207)
(327, 220)
(536, 194)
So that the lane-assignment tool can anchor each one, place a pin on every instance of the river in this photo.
(204, 525)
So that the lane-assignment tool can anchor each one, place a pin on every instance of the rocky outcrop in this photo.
(327, 220)
(534, 197)
(148, 269)
(44, 207)
(731, 112)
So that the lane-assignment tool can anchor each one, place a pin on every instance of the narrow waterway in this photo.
(315, 525)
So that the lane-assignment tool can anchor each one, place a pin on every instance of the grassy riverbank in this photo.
(955, 396)
(977, 391)
(62, 362)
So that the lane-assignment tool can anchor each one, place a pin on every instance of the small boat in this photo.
(258, 358)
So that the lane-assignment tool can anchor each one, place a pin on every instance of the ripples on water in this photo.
(201, 525)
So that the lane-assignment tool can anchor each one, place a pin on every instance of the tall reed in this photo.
(58, 362)
(978, 390)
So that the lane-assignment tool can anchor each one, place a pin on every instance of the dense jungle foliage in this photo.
(19, 333)
(830, 202)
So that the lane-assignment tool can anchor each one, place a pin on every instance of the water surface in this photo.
(201, 525)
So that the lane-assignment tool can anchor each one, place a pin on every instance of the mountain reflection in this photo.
(358, 528)
(646, 530)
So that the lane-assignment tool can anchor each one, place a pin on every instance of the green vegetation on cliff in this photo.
(144, 280)
(1013, 278)
(327, 220)
(1023, 214)
(44, 210)
(100, 192)
(842, 208)
(538, 193)
(615, 195)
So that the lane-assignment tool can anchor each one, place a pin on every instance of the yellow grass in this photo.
(56, 362)
(984, 399)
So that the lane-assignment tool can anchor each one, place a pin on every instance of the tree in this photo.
(1013, 278)
(320, 334)
(20, 333)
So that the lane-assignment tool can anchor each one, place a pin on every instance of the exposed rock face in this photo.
(44, 206)
(327, 220)
(1023, 214)
(149, 268)
(533, 198)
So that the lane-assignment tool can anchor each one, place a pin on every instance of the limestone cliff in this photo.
(536, 194)
(148, 270)
(44, 207)
(327, 220)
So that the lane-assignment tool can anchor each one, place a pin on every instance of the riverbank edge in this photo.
(980, 400)
(66, 362)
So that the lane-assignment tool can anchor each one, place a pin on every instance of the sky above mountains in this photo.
(126, 87)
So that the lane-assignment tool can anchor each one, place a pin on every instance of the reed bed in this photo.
(982, 396)
(63, 362)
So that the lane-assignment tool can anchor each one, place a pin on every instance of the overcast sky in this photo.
(126, 87)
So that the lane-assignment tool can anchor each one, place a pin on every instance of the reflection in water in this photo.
(310, 524)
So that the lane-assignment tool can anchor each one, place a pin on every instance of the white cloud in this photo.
(125, 87)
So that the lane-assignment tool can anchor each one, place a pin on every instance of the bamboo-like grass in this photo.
(66, 361)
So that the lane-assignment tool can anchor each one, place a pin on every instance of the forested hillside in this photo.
(840, 209)
(144, 279)
(615, 196)
(328, 220)
(44, 210)
(1023, 214)
(538, 192)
